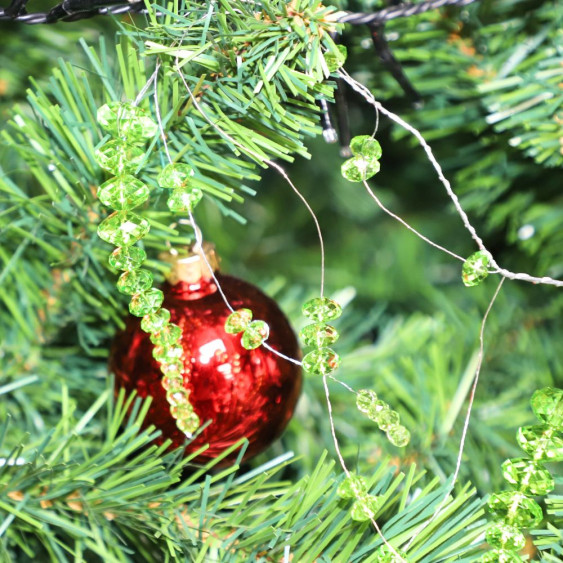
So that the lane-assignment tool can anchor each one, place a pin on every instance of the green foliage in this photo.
(409, 332)
(94, 482)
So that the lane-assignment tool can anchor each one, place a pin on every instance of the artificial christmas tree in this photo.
(239, 91)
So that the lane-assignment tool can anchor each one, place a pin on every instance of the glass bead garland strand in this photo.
(131, 128)
(515, 510)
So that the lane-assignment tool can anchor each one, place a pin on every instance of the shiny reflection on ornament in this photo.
(226, 370)
(211, 349)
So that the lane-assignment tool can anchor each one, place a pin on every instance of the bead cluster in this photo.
(319, 335)
(365, 505)
(176, 177)
(386, 418)
(131, 128)
(475, 269)
(365, 162)
(254, 333)
(515, 510)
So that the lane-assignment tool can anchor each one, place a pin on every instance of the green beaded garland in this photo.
(122, 119)
(181, 411)
(123, 228)
(377, 408)
(475, 269)
(255, 334)
(387, 418)
(360, 168)
(322, 309)
(119, 157)
(146, 302)
(153, 322)
(168, 353)
(528, 476)
(547, 404)
(178, 397)
(515, 508)
(365, 399)
(238, 321)
(352, 487)
(319, 335)
(366, 146)
(189, 424)
(172, 382)
(184, 200)
(365, 508)
(127, 258)
(541, 442)
(134, 281)
(123, 192)
(321, 362)
(385, 555)
(168, 335)
(504, 536)
(501, 556)
(398, 435)
(175, 176)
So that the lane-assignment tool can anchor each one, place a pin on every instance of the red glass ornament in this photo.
(245, 393)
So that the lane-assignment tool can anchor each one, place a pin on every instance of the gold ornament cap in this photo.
(191, 264)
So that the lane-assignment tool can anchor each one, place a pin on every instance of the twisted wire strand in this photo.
(73, 10)
(399, 11)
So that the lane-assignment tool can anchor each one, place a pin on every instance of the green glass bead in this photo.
(505, 536)
(175, 176)
(385, 555)
(146, 302)
(178, 397)
(501, 556)
(238, 321)
(172, 382)
(127, 258)
(181, 411)
(169, 334)
(122, 119)
(529, 476)
(119, 157)
(387, 418)
(541, 442)
(123, 228)
(169, 353)
(475, 269)
(172, 368)
(321, 361)
(398, 435)
(547, 404)
(321, 309)
(516, 508)
(365, 399)
(365, 508)
(352, 487)
(377, 409)
(336, 59)
(184, 200)
(319, 335)
(123, 192)
(360, 168)
(134, 281)
(153, 322)
(255, 334)
(189, 424)
(365, 145)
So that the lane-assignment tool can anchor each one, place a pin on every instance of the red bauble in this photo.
(245, 393)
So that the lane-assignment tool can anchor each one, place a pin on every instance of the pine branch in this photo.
(84, 481)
